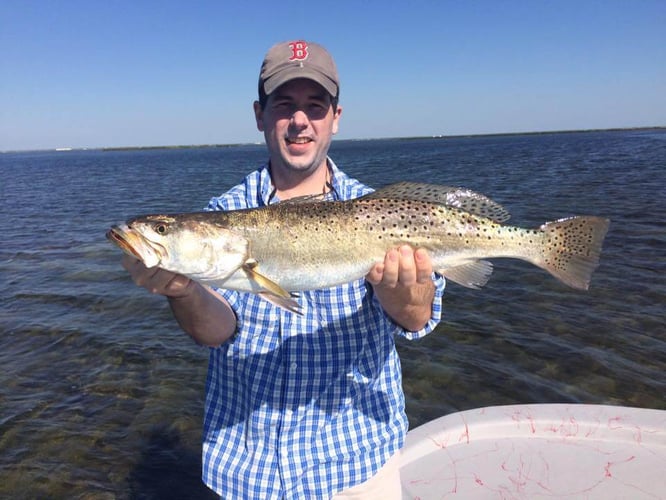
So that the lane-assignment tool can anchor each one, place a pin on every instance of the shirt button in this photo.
(294, 365)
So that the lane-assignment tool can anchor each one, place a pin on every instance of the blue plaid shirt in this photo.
(303, 406)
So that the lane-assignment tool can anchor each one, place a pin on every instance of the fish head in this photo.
(187, 244)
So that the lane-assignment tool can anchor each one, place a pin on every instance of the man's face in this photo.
(298, 123)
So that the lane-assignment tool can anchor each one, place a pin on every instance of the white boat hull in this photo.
(538, 451)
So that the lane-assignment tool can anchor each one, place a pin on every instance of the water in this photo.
(101, 394)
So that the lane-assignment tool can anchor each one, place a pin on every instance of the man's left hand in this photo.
(404, 287)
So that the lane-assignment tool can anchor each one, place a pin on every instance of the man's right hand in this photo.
(157, 280)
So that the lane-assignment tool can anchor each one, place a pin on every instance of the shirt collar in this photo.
(266, 188)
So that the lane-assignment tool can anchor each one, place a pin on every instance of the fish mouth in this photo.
(135, 244)
(119, 236)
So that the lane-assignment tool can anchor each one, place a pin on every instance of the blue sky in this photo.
(139, 73)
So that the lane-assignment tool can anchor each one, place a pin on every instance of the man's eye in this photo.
(318, 110)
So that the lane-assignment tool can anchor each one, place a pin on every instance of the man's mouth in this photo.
(298, 140)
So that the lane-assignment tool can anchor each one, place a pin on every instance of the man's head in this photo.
(287, 61)
(298, 111)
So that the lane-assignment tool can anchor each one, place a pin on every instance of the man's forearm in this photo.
(204, 315)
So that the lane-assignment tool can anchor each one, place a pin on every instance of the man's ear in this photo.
(259, 116)
(336, 119)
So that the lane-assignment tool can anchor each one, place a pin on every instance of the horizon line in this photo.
(396, 138)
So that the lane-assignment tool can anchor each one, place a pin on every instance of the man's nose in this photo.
(300, 118)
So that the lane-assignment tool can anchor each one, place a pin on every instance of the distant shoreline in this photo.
(413, 138)
(408, 138)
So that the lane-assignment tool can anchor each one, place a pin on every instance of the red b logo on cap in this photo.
(299, 51)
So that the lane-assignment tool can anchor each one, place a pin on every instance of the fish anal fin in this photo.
(474, 274)
(457, 197)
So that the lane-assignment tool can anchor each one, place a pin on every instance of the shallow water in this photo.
(101, 394)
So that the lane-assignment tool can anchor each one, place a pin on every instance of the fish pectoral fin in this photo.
(268, 290)
(261, 282)
(285, 303)
(475, 274)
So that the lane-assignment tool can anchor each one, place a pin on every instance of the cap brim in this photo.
(294, 72)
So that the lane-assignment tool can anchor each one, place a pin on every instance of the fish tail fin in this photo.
(572, 247)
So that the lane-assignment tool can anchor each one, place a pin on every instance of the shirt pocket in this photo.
(337, 304)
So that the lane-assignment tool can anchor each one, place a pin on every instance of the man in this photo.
(311, 405)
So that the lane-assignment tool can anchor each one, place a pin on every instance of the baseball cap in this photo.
(286, 61)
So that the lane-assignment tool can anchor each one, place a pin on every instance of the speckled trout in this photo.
(307, 243)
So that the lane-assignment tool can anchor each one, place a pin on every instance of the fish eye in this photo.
(160, 228)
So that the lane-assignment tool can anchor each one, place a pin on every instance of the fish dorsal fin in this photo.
(268, 290)
(458, 197)
(472, 275)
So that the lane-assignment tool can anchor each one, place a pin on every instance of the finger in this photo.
(423, 266)
(129, 262)
(407, 266)
(177, 286)
(135, 268)
(151, 278)
(374, 277)
(157, 280)
(391, 268)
